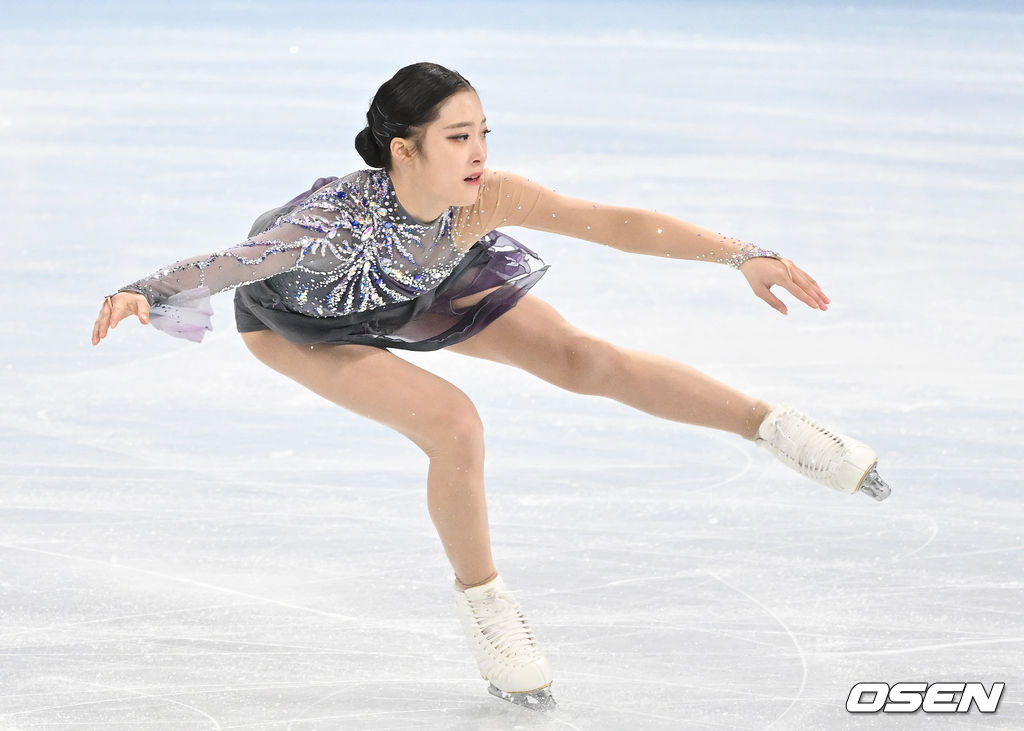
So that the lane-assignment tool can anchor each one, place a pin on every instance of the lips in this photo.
(473, 178)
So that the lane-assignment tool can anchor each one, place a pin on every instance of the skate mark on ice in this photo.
(304, 650)
(792, 638)
(133, 695)
(603, 711)
(926, 648)
(686, 688)
(738, 474)
(416, 721)
(102, 620)
(353, 513)
(620, 630)
(301, 717)
(934, 533)
(205, 689)
(189, 582)
(979, 552)
(685, 574)
(163, 699)
(368, 715)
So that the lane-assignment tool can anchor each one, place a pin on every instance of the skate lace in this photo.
(499, 618)
(807, 445)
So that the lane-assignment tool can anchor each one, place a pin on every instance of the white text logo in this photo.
(934, 698)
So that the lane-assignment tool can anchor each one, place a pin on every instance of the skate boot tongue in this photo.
(474, 593)
(501, 622)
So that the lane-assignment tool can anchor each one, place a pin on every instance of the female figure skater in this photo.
(405, 255)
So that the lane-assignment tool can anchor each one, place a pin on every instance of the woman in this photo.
(404, 255)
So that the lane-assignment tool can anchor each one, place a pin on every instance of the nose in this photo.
(480, 151)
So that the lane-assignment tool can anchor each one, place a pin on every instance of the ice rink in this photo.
(190, 541)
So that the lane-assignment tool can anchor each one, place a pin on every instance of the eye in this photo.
(466, 137)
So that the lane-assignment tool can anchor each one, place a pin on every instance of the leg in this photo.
(535, 337)
(429, 410)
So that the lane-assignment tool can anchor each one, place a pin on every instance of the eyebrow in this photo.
(465, 124)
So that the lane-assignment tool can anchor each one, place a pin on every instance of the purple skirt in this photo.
(428, 322)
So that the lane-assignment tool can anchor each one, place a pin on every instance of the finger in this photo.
(119, 312)
(766, 294)
(805, 284)
(791, 285)
(813, 289)
(143, 312)
(803, 295)
(818, 294)
(99, 328)
(798, 291)
(810, 285)
(96, 328)
(809, 278)
(111, 318)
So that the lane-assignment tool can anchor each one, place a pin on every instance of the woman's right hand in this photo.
(115, 309)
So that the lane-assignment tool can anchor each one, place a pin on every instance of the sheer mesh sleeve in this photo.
(316, 237)
(508, 199)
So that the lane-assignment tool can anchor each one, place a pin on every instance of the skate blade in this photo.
(875, 486)
(535, 700)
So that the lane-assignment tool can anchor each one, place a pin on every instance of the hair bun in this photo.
(402, 106)
(368, 149)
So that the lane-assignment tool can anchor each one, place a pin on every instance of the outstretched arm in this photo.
(640, 231)
(176, 298)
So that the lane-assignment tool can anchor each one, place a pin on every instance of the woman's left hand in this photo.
(763, 272)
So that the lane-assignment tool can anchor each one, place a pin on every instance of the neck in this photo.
(422, 207)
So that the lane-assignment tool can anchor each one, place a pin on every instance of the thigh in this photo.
(377, 384)
(471, 299)
(534, 336)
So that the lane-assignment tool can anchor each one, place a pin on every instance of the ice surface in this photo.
(190, 541)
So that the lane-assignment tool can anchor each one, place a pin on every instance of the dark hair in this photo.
(408, 100)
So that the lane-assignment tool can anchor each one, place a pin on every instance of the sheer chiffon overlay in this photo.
(184, 315)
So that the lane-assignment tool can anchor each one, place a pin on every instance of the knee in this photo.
(454, 431)
(589, 364)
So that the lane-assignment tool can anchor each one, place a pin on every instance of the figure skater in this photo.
(407, 255)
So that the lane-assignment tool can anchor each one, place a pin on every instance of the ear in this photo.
(402, 149)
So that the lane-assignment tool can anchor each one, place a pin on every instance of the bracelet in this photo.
(749, 251)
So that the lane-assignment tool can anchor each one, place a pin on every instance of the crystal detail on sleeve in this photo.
(747, 252)
(736, 258)
(347, 247)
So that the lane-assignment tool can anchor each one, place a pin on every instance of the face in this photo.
(452, 148)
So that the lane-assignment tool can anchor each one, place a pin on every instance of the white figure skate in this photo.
(504, 646)
(835, 460)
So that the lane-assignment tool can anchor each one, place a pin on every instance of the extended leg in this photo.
(535, 337)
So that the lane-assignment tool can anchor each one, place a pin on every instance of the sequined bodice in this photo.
(370, 251)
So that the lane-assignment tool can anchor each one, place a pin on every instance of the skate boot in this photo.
(835, 460)
(504, 646)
